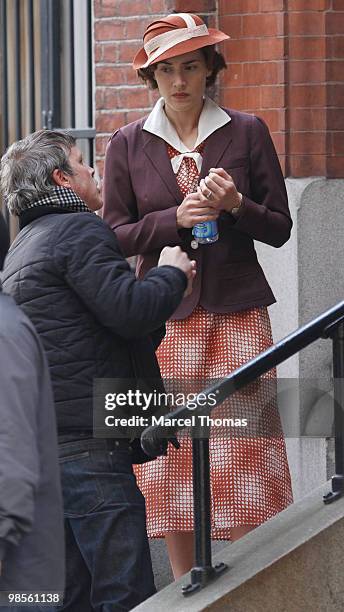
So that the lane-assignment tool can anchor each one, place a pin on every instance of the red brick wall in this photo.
(255, 77)
(286, 63)
(120, 97)
(118, 30)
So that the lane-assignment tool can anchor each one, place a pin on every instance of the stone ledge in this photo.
(292, 563)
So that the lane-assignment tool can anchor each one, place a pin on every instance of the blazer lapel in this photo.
(156, 150)
(216, 145)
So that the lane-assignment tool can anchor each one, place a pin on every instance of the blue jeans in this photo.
(108, 565)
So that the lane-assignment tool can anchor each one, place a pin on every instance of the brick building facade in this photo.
(285, 63)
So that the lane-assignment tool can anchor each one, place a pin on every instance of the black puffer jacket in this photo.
(94, 317)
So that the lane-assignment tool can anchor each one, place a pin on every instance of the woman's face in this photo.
(182, 80)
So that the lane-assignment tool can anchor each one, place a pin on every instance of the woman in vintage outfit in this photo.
(187, 163)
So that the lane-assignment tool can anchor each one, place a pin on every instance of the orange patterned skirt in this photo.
(250, 480)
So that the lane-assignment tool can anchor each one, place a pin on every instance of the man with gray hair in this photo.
(96, 320)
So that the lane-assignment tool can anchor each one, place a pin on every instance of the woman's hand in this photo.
(219, 189)
(195, 208)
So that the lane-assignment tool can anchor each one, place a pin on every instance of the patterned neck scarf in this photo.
(188, 170)
(61, 197)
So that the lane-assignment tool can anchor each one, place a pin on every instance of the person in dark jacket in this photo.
(32, 554)
(96, 320)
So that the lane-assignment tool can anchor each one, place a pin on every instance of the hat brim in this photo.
(215, 36)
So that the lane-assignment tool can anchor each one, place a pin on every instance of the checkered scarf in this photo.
(61, 197)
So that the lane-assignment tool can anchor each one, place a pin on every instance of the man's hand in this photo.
(174, 256)
(219, 190)
(195, 209)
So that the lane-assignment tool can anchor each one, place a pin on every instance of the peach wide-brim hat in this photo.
(174, 35)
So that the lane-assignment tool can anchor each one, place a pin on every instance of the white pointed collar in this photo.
(211, 119)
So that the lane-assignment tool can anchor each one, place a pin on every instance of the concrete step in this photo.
(161, 566)
(292, 563)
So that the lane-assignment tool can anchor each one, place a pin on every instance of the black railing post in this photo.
(338, 374)
(203, 571)
(201, 486)
(337, 480)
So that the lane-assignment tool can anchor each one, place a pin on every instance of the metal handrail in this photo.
(329, 324)
(250, 371)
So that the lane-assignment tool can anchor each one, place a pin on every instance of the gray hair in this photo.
(27, 166)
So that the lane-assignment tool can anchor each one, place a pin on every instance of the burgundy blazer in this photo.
(141, 196)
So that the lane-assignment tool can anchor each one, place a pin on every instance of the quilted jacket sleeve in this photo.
(87, 252)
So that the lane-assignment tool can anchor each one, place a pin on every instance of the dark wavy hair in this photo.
(214, 61)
